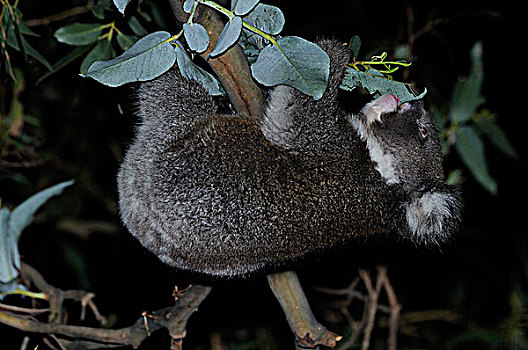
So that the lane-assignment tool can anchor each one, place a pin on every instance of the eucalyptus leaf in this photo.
(121, 5)
(136, 26)
(188, 6)
(470, 148)
(11, 226)
(467, 93)
(148, 58)
(103, 50)
(191, 71)
(28, 49)
(22, 215)
(9, 256)
(242, 7)
(126, 41)
(267, 18)
(79, 34)
(295, 62)
(497, 136)
(196, 36)
(377, 84)
(64, 61)
(228, 36)
(355, 45)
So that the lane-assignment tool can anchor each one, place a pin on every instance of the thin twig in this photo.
(22, 309)
(74, 11)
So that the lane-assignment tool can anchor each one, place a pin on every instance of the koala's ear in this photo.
(384, 104)
(434, 216)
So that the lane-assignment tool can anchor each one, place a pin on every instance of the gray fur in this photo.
(229, 195)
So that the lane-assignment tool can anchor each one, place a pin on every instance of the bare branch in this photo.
(289, 293)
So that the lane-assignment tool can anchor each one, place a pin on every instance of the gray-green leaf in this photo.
(22, 215)
(355, 45)
(242, 7)
(9, 256)
(228, 36)
(470, 147)
(102, 51)
(196, 36)
(295, 62)
(121, 5)
(376, 84)
(497, 136)
(148, 58)
(11, 226)
(79, 34)
(466, 94)
(188, 5)
(267, 18)
(191, 71)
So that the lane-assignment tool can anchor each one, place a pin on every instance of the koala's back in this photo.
(223, 200)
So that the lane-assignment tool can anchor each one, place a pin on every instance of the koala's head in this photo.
(405, 148)
(402, 140)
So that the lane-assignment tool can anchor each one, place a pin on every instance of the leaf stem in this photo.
(231, 14)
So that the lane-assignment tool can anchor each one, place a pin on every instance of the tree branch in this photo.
(232, 67)
(174, 318)
(309, 333)
(371, 305)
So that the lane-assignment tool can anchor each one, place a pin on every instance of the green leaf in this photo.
(470, 147)
(188, 5)
(497, 136)
(22, 215)
(79, 34)
(126, 41)
(267, 18)
(148, 58)
(376, 84)
(191, 71)
(9, 256)
(64, 61)
(121, 5)
(242, 7)
(34, 53)
(102, 51)
(136, 26)
(355, 45)
(295, 62)
(466, 94)
(98, 8)
(196, 36)
(228, 36)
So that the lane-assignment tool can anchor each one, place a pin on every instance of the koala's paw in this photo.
(384, 104)
(433, 217)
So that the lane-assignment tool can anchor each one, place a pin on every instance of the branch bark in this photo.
(232, 67)
(174, 318)
(308, 332)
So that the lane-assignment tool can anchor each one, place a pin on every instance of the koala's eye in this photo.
(424, 131)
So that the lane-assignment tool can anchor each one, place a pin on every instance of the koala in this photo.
(231, 195)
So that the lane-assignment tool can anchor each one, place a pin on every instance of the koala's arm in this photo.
(292, 119)
(169, 105)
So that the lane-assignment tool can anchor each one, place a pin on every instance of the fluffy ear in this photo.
(374, 109)
(433, 216)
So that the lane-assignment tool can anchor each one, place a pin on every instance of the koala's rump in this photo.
(228, 202)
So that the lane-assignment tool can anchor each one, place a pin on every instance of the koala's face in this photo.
(402, 140)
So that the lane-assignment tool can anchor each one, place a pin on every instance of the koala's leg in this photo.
(308, 332)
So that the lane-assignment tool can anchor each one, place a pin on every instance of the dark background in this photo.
(77, 240)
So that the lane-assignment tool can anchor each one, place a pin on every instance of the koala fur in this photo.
(230, 195)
